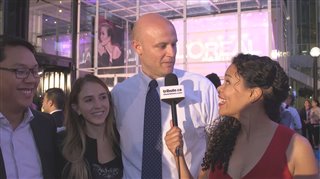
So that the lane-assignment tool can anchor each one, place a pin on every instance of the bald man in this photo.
(154, 39)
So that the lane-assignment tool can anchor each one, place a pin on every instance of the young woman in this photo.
(248, 142)
(90, 145)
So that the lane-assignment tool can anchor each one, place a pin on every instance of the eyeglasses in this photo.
(22, 73)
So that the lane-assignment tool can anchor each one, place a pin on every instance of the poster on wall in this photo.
(110, 47)
(110, 50)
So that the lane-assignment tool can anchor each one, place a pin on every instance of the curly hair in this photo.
(261, 72)
(222, 138)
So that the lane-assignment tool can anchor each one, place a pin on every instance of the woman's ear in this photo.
(256, 94)
(75, 108)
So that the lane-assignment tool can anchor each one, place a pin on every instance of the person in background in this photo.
(296, 125)
(53, 103)
(286, 117)
(154, 39)
(90, 141)
(305, 120)
(27, 137)
(214, 78)
(315, 122)
(248, 142)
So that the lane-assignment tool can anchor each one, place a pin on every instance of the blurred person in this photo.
(296, 125)
(53, 103)
(90, 141)
(286, 117)
(315, 122)
(214, 78)
(154, 40)
(248, 142)
(305, 120)
(28, 137)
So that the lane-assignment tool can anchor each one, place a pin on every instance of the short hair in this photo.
(214, 78)
(8, 41)
(57, 96)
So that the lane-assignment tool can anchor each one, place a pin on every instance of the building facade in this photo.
(210, 33)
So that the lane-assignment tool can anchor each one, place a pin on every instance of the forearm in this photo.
(184, 171)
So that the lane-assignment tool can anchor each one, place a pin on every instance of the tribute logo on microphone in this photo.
(175, 92)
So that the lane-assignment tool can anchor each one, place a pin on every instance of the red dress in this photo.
(273, 164)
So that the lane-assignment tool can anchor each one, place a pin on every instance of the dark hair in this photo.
(291, 96)
(8, 41)
(57, 96)
(268, 75)
(214, 78)
(259, 72)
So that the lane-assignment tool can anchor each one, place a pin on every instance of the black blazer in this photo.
(44, 132)
(58, 117)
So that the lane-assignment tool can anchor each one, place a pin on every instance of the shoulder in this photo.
(300, 156)
(43, 119)
(129, 83)
(41, 115)
(194, 79)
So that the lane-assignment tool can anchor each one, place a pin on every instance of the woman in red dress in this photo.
(247, 141)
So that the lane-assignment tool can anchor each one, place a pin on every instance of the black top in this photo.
(112, 169)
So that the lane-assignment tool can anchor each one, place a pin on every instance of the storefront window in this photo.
(209, 33)
(50, 27)
(50, 30)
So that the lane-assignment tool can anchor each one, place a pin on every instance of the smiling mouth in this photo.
(221, 101)
(99, 113)
(26, 91)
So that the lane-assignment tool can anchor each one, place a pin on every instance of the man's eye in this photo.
(21, 71)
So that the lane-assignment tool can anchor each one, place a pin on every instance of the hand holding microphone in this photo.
(172, 94)
(174, 140)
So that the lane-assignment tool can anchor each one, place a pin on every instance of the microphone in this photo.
(172, 94)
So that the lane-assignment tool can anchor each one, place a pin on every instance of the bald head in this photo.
(154, 40)
(147, 22)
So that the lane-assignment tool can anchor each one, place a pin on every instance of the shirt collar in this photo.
(27, 118)
(146, 80)
(55, 111)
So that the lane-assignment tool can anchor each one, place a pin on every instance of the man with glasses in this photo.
(27, 137)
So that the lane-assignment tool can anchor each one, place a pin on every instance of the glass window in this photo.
(50, 27)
